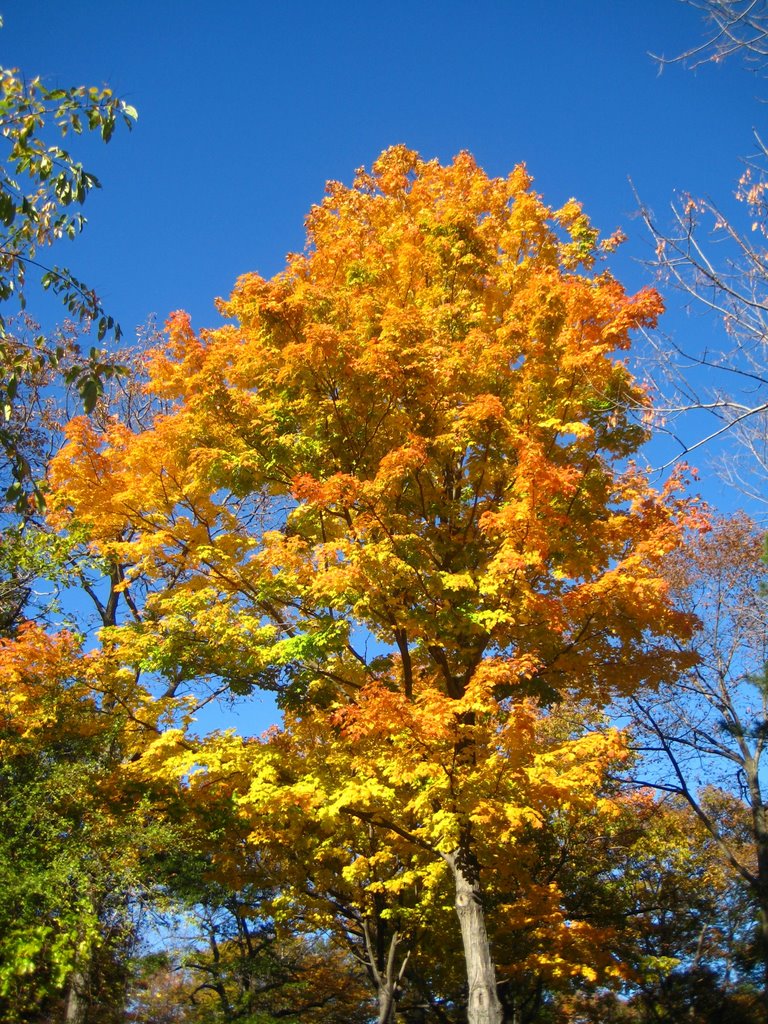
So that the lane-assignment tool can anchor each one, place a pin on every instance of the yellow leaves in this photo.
(361, 794)
(562, 949)
(167, 756)
(401, 463)
(516, 819)
(378, 872)
(391, 171)
(455, 582)
(173, 370)
(640, 310)
(579, 430)
(54, 698)
(401, 760)
(485, 410)
(571, 775)
(581, 248)
(495, 672)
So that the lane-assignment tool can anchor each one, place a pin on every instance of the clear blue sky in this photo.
(247, 108)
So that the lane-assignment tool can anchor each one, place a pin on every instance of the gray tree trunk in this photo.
(483, 1006)
(77, 998)
(382, 968)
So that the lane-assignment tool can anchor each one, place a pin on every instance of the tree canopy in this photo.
(397, 489)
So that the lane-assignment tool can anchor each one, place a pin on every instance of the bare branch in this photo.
(733, 27)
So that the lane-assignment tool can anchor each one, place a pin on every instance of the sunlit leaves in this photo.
(396, 486)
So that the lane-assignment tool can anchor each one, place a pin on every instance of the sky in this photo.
(246, 109)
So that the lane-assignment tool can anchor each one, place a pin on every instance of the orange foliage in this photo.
(399, 481)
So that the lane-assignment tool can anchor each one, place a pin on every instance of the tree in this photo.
(710, 728)
(733, 288)
(230, 964)
(680, 921)
(77, 836)
(715, 255)
(42, 187)
(232, 949)
(396, 488)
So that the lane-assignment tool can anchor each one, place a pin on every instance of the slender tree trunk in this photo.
(383, 970)
(77, 997)
(760, 832)
(483, 1006)
(762, 899)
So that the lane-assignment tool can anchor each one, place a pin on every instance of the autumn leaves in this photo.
(396, 490)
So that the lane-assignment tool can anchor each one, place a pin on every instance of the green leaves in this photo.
(7, 209)
(42, 186)
(39, 181)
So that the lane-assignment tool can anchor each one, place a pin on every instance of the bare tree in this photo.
(729, 382)
(716, 256)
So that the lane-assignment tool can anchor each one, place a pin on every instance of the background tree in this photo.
(42, 187)
(681, 922)
(225, 962)
(78, 838)
(709, 728)
(718, 262)
(233, 945)
(714, 253)
(737, 27)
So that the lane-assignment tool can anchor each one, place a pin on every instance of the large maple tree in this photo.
(397, 487)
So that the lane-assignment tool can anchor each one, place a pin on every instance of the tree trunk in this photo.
(761, 837)
(751, 763)
(483, 1006)
(385, 999)
(382, 969)
(77, 998)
